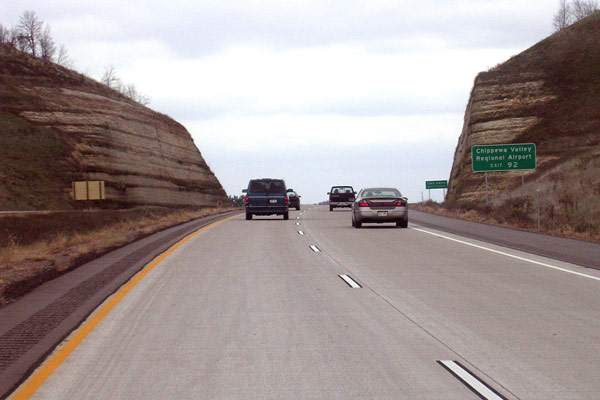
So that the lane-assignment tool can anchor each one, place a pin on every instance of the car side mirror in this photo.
(290, 190)
(328, 193)
(244, 190)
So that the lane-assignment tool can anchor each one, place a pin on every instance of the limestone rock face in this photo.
(547, 95)
(497, 113)
(144, 157)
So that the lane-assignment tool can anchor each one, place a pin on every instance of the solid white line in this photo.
(315, 249)
(301, 233)
(511, 255)
(470, 380)
(350, 281)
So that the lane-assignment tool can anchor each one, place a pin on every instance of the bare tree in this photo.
(110, 78)
(63, 57)
(562, 18)
(569, 13)
(583, 8)
(47, 45)
(4, 34)
(30, 29)
(130, 91)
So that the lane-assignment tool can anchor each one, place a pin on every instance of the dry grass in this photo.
(31, 261)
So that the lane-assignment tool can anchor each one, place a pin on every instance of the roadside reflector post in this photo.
(538, 209)
(486, 189)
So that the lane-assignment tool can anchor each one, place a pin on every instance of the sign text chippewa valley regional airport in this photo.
(503, 157)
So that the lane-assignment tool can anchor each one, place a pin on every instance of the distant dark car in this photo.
(341, 196)
(293, 199)
(380, 205)
(266, 196)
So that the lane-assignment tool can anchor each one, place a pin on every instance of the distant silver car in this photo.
(380, 205)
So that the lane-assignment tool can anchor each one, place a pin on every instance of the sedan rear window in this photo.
(381, 193)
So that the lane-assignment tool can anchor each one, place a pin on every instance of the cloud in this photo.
(194, 29)
(344, 80)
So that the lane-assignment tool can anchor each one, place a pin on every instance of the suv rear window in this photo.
(267, 187)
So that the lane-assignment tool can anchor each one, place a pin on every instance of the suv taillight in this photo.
(247, 200)
(285, 199)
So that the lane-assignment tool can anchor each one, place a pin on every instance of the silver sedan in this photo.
(380, 205)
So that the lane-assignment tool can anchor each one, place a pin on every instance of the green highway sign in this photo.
(503, 157)
(436, 184)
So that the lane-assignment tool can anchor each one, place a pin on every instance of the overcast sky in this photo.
(319, 93)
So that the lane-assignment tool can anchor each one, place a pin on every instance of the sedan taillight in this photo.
(401, 203)
(363, 204)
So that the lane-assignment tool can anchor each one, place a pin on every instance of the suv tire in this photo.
(286, 215)
(248, 216)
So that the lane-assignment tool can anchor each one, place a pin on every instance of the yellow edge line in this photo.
(34, 383)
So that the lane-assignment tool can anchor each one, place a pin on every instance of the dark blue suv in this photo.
(266, 196)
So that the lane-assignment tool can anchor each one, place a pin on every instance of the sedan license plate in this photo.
(382, 213)
(272, 201)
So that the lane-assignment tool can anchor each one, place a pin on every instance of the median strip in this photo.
(475, 384)
(351, 282)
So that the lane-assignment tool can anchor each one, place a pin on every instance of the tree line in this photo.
(31, 35)
(570, 12)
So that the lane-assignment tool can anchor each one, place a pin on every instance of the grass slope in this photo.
(33, 173)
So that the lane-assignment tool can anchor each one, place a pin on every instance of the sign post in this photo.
(436, 185)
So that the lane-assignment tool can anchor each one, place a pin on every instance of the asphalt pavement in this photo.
(312, 308)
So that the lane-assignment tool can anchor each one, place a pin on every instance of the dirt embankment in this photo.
(35, 248)
(547, 95)
(519, 214)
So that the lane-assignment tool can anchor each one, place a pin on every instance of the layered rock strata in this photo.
(547, 95)
(145, 158)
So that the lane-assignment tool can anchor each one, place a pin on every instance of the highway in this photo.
(258, 310)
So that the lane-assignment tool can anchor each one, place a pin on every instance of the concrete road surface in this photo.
(249, 310)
